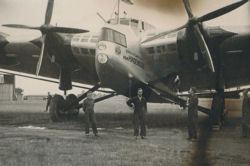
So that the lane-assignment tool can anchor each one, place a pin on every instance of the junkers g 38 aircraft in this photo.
(127, 54)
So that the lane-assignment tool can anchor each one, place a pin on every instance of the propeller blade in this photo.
(49, 11)
(20, 26)
(67, 30)
(221, 11)
(165, 33)
(203, 47)
(43, 51)
(188, 8)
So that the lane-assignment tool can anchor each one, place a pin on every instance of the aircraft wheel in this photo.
(56, 107)
(72, 99)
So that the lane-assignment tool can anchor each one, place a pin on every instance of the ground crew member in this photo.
(245, 113)
(139, 104)
(88, 108)
(49, 97)
(192, 104)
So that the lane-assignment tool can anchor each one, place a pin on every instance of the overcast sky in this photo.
(164, 14)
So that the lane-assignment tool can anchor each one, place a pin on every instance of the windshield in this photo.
(113, 36)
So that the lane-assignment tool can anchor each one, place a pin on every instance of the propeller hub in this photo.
(192, 21)
(45, 28)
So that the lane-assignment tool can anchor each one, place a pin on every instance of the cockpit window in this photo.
(124, 21)
(134, 23)
(113, 36)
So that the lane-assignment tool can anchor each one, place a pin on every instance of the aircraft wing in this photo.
(156, 54)
(232, 94)
(22, 56)
(168, 54)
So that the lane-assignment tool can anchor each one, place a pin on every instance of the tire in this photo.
(72, 99)
(56, 107)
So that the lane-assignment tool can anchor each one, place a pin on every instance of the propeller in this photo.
(195, 30)
(45, 29)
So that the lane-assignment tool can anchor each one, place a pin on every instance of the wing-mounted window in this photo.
(161, 55)
(82, 45)
(94, 39)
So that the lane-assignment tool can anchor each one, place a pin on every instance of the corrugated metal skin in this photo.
(9, 79)
(1, 79)
(6, 92)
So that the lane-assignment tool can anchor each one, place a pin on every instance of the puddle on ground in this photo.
(32, 127)
(119, 128)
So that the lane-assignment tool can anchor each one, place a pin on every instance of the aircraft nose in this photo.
(108, 64)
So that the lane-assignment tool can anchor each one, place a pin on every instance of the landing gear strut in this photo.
(217, 111)
(61, 109)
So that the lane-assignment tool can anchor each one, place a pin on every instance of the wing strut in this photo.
(175, 99)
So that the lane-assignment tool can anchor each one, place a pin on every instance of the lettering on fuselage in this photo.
(133, 61)
(133, 54)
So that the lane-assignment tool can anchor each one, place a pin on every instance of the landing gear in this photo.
(217, 110)
(61, 109)
(56, 108)
(65, 109)
(72, 112)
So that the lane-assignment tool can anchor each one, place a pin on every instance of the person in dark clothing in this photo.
(49, 97)
(245, 113)
(139, 104)
(88, 108)
(192, 104)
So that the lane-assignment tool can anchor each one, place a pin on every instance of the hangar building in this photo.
(7, 87)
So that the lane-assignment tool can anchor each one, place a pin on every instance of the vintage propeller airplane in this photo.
(127, 54)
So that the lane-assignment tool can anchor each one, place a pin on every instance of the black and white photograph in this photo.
(124, 83)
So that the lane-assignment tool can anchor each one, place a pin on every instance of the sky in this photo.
(164, 14)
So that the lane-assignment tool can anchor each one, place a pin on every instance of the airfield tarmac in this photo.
(28, 137)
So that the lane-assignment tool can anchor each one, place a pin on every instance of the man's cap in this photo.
(139, 89)
(192, 89)
(245, 90)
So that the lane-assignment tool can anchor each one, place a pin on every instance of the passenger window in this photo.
(92, 51)
(76, 39)
(151, 50)
(94, 40)
(84, 40)
(84, 51)
(76, 50)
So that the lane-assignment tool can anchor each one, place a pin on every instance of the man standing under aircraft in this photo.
(88, 108)
(192, 104)
(49, 97)
(245, 113)
(139, 104)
